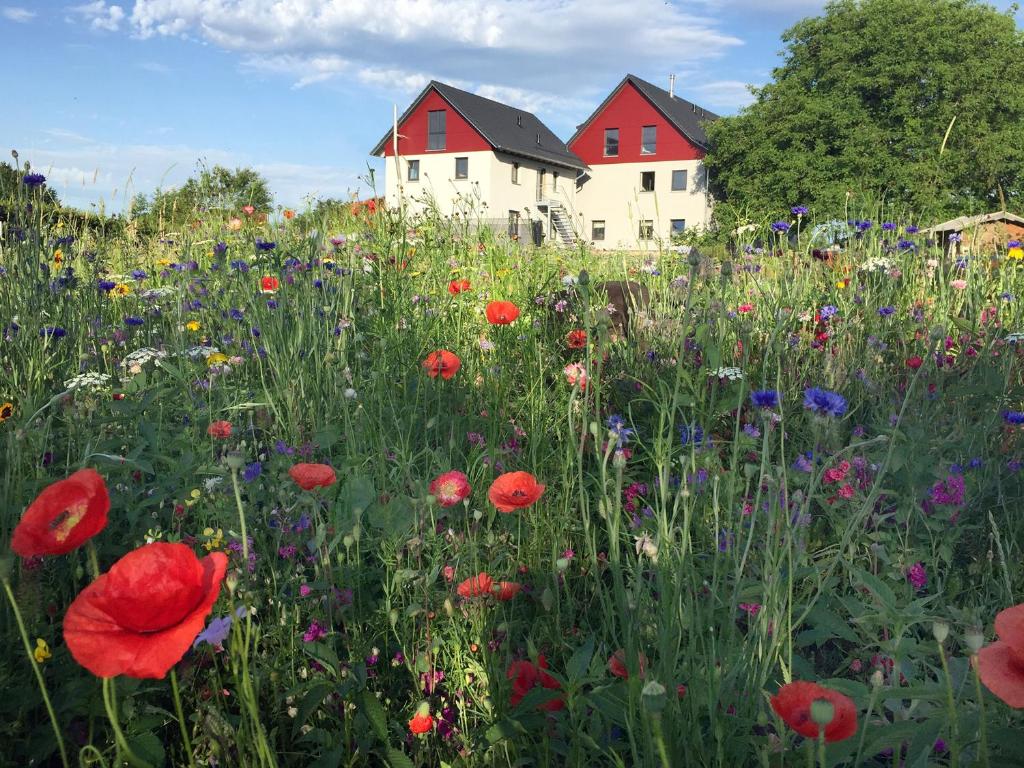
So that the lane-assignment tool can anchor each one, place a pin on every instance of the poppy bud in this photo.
(234, 460)
(877, 678)
(974, 639)
(584, 278)
(356, 532)
(348, 541)
(693, 258)
(940, 631)
(449, 609)
(547, 598)
(653, 696)
(727, 268)
(393, 616)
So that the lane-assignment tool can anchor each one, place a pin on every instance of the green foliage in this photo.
(213, 189)
(860, 107)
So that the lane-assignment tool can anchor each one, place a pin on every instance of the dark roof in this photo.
(688, 117)
(500, 125)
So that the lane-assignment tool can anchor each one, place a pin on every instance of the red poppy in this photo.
(442, 362)
(526, 676)
(617, 665)
(456, 287)
(140, 617)
(1001, 664)
(501, 312)
(476, 586)
(576, 339)
(514, 490)
(310, 476)
(248, 210)
(219, 429)
(506, 590)
(450, 488)
(914, 362)
(421, 723)
(793, 704)
(289, 213)
(269, 284)
(62, 517)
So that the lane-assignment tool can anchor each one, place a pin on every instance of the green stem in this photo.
(821, 747)
(38, 673)
(181, 718)
(983, 731)
(954, 730)
(110, 704)
(241, 519)
(94, 561)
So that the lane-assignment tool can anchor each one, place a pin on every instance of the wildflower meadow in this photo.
(337, 488)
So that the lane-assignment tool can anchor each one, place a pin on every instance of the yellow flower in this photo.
(42, 651)
(196, 493)
(216, 358)
(163, 262)
(840, 284)
(1015, 253)
(192, 325)
(6, 411)
(58, 256)
(121, 289)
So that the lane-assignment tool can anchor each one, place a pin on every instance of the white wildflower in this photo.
(89, 380)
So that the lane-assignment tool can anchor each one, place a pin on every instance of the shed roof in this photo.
(507, 129)
(961, 223)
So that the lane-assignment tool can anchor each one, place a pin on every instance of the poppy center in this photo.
(65, 522)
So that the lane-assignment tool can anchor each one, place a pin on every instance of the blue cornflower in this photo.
(1013, 417)
(619, 430)
(237, 314)
(133, 320)
(751, 431)
(798, 210)
(33, 180)
(264, 245)
(780, 226)
(765, 398)
(975, 463)
(863, 226)
(139, 274)
(910, 229)
(271, 303)
(691, 433)
(217, 630)
(888, 226)
(828, 312)
(803, 462)
(1013, 244)
(220, 249)
(823, 402)
(904, 245)
(240, 265)
(106, 285)
(54, 331)
(886, 311)
(252, 471)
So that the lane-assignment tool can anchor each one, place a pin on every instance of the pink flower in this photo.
(917, 576)
(958, 284)
(576, 375)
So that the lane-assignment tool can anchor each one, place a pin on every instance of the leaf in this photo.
(504, 729)
(923, 744)
(331, 759)
(398, 759)
(822, 618)
(877, 588)
(580, 661)
(148, 747)
(314, 698)
(375, 714)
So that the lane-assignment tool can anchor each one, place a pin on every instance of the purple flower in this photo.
(133, 320)
(886, 311)
(798, 210)
(220, 249)
(949, 491)
(315, 632)
(252, 471)
(54, 331)
(828, 312)
(823, 402)
(1014, 418)
(780, 226)
(888, 226)
(765, 398)
(917, 576)
(263, 245)
(910, 229)
(33, 180)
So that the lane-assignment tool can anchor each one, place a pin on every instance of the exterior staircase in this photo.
(563, 226)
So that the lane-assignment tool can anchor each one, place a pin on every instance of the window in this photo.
(647, 181)
(649, 140)
(597, 230)
(461, 167)
(678, 181)
(414, 170)
(513, 224)
(678, 225)
(647, 230)
(436, 129)
(515, 173)
(611, 142)
(554, 181)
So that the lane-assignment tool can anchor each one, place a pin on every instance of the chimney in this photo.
(671, 86)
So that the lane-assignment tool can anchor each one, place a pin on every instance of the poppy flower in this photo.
(576, 375)
(456, 287)
(140, 617)
(514, 490)
(793, 704)
(914, 362)
(450, 488)
(6, 411)
(310, 476)
(248, 210)
(219, 429)
(501, 312)
(476, 586)
(421, 723)
(526, 676)
(62, 517)
(576, 339)
(506, 590)
(288, 213)
(1001, 664)
(269, 284)
(617, 665)
(442, 362)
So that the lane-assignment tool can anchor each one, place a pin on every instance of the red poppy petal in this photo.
(63, 516)
(1010, 627)
(1002, 673)
(107, 649)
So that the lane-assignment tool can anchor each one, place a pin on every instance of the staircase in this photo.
(562, 224)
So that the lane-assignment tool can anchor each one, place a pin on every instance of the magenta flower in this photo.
(917, 576)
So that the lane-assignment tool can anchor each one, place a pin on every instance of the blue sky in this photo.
(114, 98)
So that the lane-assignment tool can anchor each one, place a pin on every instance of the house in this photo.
(630, 177)
(645, 147)
(482, 159)
(974, 233)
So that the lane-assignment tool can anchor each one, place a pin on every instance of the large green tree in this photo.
(216, 188)
(861, 106)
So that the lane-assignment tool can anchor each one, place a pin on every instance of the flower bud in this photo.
(653, 696)
(234, 460)
(974, 638)
(877, 679)
(693, 258)
(584, 278)
(940, 630)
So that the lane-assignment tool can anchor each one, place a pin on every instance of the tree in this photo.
(11, 182)
(216, 188)
(861, 106)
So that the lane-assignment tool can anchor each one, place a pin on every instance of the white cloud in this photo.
(726, 95)
(16, 14)
(101, 16)
(85, 172)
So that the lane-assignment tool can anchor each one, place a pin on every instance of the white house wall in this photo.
(612, 194)
(437, 182)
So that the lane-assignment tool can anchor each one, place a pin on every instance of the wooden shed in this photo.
(974, 234)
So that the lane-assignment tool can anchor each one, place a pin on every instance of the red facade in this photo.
(629, 111)
(461, 136)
